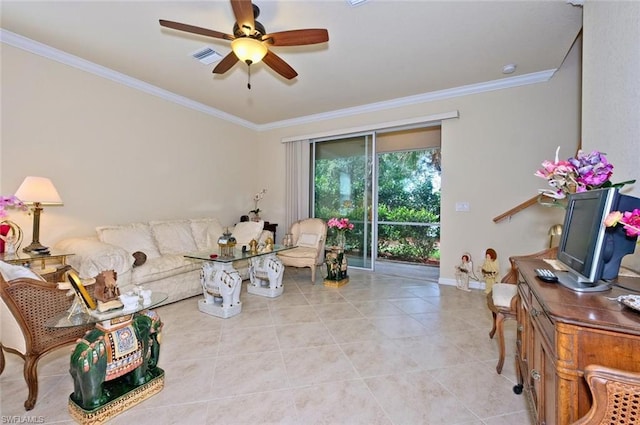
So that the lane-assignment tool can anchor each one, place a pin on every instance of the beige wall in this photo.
(611, 94)
(118, 155)
(489, 156)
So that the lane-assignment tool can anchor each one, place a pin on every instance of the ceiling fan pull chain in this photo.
(249, 78)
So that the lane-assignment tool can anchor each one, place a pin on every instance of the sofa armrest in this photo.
(91, 257)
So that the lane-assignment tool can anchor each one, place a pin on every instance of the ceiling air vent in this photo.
(207, 55)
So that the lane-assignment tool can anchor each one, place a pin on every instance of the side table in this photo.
(115, 365)
(336, 262)
(39, 261)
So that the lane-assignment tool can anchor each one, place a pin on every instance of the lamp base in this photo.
(35, 246)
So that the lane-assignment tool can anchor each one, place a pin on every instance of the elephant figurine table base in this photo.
(336, 262)
(221, 286)
(265, 274)
(115, 366)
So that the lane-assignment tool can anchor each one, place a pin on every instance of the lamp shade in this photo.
(38, 190)
(248, 49)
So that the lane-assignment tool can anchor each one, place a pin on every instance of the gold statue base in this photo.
(119, 404)
(336, 283)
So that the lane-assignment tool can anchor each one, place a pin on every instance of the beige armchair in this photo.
(309, 237)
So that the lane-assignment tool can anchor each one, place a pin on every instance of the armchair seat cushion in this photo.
(299, 252)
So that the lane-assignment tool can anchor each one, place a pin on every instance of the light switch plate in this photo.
(462, 206)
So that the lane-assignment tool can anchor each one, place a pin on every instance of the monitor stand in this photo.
(569, 281)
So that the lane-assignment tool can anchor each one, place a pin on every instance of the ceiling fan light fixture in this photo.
(248, 49)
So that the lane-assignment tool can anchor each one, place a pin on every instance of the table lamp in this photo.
(37, 191)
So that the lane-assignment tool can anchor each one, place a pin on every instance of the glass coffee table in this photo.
(220, 280)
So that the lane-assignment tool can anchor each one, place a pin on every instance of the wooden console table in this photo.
(560, 332)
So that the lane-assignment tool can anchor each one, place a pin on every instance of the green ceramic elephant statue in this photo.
(126, 352)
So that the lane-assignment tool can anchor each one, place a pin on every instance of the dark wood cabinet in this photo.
(272, 228)
(560, 332)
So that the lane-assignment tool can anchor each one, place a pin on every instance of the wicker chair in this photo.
(616, 397)
(502, 300)
(33, 302)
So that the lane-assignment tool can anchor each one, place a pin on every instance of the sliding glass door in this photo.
(343, 175)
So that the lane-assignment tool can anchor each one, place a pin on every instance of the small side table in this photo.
(31, 260)
(272, 228)
(336, 262)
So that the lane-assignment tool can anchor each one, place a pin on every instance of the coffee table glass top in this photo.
(65, 320)
(237, 254)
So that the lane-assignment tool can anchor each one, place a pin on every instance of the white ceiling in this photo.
(378, 53)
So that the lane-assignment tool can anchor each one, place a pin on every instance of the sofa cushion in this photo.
(245, 231)
(132, 237)
(92, 256)
(206, 232)
(173, 236)
(10, 272)
(162, 267)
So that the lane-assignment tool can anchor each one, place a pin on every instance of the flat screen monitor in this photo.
(591, 251)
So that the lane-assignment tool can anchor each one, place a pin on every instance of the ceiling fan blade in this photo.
(195, 30)
(297, 37)
(225, 64)
(279, 65)
(243, 11)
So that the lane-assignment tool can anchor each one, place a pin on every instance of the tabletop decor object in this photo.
(37, 191)
(255, 212)
(10, 232)
(583, 172)
(227, 244)
(340, 227)
(630, 220)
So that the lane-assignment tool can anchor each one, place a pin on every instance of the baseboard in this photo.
(473, 284)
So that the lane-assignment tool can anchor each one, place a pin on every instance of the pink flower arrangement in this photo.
(10, 202)
(585, 171)
(340, 224)
(630, 220)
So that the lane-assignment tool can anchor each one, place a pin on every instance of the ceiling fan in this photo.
(250, 41)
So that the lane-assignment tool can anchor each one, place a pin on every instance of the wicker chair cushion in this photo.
(11, 272)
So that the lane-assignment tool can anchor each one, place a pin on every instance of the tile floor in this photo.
(383, 349)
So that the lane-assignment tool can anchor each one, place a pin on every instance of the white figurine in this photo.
(462, 272)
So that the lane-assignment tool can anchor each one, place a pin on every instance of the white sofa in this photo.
(165, 243)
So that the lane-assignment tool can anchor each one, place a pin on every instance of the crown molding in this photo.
(49, 52)
(504, 83)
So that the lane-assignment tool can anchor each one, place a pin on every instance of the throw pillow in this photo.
(10, 272)
(245, 231)
(173, 236)
(214, 231)
(204, 230)
(131, 237)
(308, 240)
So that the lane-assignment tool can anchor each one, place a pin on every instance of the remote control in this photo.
(546, 275)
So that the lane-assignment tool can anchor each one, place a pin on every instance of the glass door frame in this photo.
(369, 245)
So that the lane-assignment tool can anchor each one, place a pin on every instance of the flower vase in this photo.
(341, 239)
